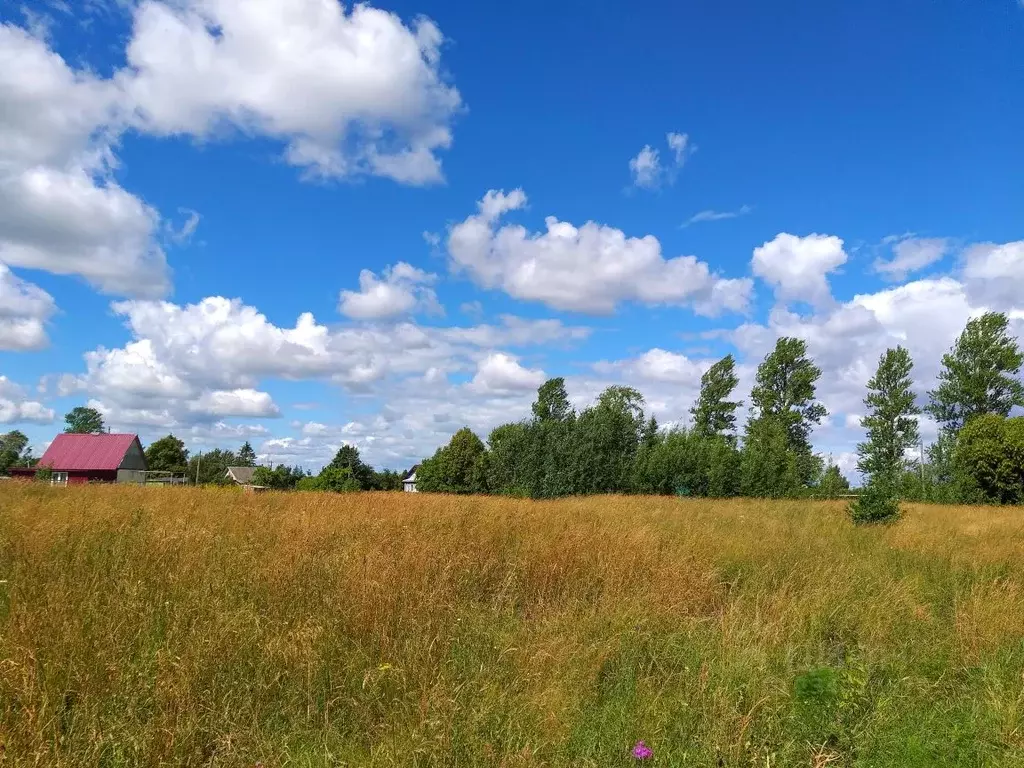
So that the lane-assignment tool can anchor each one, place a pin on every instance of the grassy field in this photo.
(200, 627)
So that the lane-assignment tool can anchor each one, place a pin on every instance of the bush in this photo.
(44, 474)
(308, 484)
(988, 460)
(878, 503)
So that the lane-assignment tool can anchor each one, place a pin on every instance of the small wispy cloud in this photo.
(38, 24)
(911, 254)
(681, 148)
(646, 168)
(649, 172)
(710, 215)
(182, 235)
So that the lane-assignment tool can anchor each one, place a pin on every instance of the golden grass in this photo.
(204, 627)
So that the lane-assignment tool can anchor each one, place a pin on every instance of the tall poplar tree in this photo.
(714, 413)
(890, 423)
(784, 392)
(979, 375)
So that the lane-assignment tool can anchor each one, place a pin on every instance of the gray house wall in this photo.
(134, 458)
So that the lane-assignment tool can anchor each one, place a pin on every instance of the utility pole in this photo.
(199, 461)
(920, 446)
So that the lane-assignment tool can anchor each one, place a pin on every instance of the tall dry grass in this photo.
(201, 627)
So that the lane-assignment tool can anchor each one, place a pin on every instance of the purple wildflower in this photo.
(642, 752)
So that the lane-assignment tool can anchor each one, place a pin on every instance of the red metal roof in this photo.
(84, 452)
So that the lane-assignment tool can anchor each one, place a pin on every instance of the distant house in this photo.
(240, 475)
(409, 484)
(103, 457)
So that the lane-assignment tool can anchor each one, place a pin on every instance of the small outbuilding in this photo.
(103, 457)
(409, 483)
(240, 475)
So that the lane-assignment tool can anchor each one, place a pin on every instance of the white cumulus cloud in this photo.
(591, 268)
(499, 372)
(994, 275)
(196, 364)
(60, 208)
(17, 408)
(348, 91)
(798, 267)
(402, 290)
(24, 310)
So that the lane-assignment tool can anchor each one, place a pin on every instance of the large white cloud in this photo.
(137, 385)
(418, 410)
(994, 275)
(24, 310)
(659, 365)
(798, 267)
(17, 408)
(591, 268)
(60, 208)
(236, 402)
(204, 362)
(349, 91)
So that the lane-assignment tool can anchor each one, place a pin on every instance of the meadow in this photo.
(149, 626)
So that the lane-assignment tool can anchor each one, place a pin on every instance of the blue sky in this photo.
(305, 224)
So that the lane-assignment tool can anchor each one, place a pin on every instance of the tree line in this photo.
(613, 447)
(346, 472)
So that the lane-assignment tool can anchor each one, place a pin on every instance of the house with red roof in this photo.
(102, 457)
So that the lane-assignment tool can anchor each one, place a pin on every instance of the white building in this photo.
(409, 484)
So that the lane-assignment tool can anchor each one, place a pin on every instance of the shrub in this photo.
(878, 503)
(988, 460)
(308, 484)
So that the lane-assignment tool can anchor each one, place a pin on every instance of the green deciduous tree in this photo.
(211, 467)
(605, 442)
(988, 460)
(387, 480)
(714, 413)
(168, 454)
(514, 466)
(979, 375)
(83, 421)
(892, 431)
(890, 423)
(547, 467)
(783, 398)
(769, 466)
(552, 402)
(459, 467)
(832, 483)
(876, 504)
(347, 457)
(280, 478)
(337, 480)
(683, 462)
(246, 456)
(13, 450)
